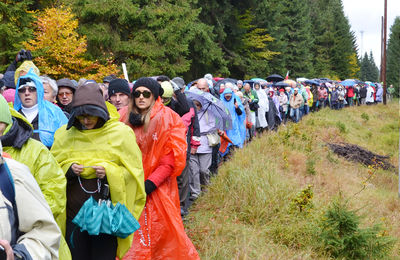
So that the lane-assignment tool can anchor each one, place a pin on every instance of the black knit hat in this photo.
(118, 86)
(151, 84)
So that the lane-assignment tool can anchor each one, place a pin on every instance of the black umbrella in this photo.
(281, 85)
(223, 81)
(311, 82)
(275, 78)
(251, 82)
(326, 80)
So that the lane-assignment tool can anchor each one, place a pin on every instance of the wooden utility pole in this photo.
(381, 67)
(384, 53)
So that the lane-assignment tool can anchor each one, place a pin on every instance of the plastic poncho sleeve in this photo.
(50, 178)
(114, 147)
(39, 232)
(178, 145)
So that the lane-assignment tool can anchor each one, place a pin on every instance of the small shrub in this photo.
(343, 238)
(303, 200)
(342, 127)
(365, 117)
(309, 146)
(310, 166)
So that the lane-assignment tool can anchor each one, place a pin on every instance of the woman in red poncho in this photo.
(161, 136)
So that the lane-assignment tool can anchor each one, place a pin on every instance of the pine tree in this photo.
(369, 70)
(393, 56)
(15, 28)
(289, 24)
(365, 68)
(152, 37)
(335, 44)
(374, 71)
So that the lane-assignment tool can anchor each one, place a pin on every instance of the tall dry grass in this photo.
(248, 211)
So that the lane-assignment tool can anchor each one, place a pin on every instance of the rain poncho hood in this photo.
(161, 220)
(25, 66)
(238, 132)
(51, 117)
(113, 147)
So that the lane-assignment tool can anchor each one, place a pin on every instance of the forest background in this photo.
(189, 38)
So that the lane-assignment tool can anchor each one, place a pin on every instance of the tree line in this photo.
(229, 38)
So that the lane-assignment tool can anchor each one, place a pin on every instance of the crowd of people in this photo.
(150, 145)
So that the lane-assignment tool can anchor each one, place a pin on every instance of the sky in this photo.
(365, 15)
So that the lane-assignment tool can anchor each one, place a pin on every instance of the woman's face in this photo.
(197, 104)
(143, 98)
(228, 96)
(88, 121)
(48, 93)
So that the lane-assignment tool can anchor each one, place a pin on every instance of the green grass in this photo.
(248, 210)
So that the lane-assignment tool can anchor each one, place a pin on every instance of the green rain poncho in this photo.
(112, 146)
(43, 167)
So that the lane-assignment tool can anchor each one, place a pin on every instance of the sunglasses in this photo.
(65, 94)
(146, 94)
(89, 117)
(24, 89)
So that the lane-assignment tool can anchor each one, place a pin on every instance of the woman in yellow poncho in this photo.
(92, 150)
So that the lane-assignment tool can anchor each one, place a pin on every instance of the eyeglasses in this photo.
(67, 94)
(24, 89)
(146, 94)
(89, 117)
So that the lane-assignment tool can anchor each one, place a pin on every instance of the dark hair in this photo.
(163, 78)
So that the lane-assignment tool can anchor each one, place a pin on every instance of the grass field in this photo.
(270, 200)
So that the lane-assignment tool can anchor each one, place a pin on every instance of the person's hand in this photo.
(220, 132)
(236, 105)
(193, 150)
(77, 168)
(7, 248)
(100, 171)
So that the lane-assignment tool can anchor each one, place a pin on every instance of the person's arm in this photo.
(12, 66)
(182, 103)
(160, 174)
(255, 100)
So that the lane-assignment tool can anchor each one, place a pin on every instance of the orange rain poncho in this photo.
(162, 235)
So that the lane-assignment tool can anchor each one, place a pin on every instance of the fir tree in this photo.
(14, 29)
(369, 70)
(393, 56)
(152, 37)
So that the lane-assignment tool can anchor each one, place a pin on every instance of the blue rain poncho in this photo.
(51, 117)
(238, 132)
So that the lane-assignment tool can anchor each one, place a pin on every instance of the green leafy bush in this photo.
(365, 116)
(342, 127)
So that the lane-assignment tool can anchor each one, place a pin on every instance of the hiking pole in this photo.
(125, 71)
